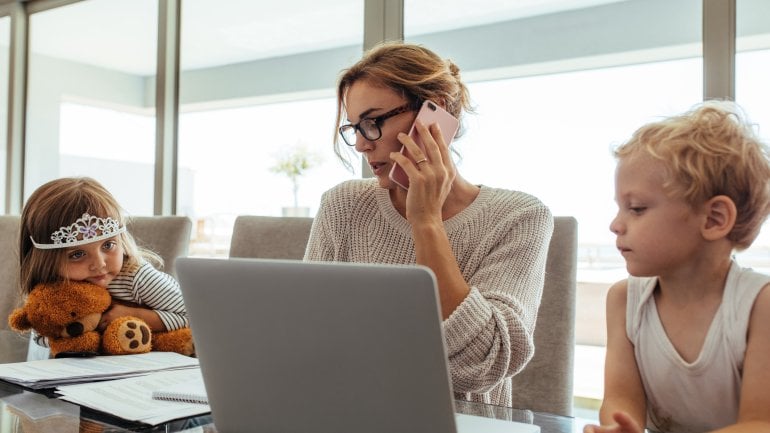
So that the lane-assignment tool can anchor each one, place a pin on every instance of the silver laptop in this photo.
(291, 346)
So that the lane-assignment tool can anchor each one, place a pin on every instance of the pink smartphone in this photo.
(429, 113)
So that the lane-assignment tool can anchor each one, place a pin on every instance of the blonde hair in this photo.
(708, 151)
(57, 204)
(413, 71)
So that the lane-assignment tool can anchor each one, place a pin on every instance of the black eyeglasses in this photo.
(370, 128)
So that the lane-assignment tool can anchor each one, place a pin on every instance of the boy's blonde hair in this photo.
(57, 204)
(708, 151)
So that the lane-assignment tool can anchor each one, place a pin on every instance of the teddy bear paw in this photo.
(136, 336)
(127, 335)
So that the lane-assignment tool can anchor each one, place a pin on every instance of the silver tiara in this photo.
(84, 230)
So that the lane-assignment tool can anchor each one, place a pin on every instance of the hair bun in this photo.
(454, 69)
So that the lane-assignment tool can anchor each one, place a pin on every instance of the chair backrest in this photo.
(168, 236)
(546, 383)
(13, 345)
(267, 237)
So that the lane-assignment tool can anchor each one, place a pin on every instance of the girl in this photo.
(74, 229)
(486, 246)
(688, 334)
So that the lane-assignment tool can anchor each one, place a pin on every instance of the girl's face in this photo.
(657, 234)
(365, 101)
(97, 263)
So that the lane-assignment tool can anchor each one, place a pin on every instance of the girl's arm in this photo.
(152, 296)
(623, 407)
(753, 413)
(119, 309)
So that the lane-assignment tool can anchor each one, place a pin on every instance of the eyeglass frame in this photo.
(378, 121)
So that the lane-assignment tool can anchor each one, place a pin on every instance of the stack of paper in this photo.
(131, 398)
(49, 373)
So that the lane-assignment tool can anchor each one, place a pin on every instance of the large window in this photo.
(551, 135)
(5, 30)
(257, 87)
(228, 165)
(109, 144)
(90, 86)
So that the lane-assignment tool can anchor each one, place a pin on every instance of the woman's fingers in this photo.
(433, 147)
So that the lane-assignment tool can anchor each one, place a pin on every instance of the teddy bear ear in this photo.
(19, 320)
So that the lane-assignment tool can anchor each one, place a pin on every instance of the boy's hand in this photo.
(624, 424)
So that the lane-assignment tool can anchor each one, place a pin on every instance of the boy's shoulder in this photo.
(618, 291)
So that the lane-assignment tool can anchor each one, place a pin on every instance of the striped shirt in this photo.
(152, 288)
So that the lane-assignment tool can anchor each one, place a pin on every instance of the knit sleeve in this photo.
(319, 245)
(490, 334)
(330, 225)
(160, 291)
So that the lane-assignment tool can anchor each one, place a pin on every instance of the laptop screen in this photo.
(324, 347)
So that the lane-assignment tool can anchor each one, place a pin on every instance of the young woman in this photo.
(486, 246)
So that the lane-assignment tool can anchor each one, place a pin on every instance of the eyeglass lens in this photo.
(368, 128)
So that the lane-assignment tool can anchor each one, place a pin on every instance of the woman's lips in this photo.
(378, 168)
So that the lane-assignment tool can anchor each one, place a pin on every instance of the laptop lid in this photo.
(291, 346)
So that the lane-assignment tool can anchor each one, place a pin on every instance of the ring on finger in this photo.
(421, 161)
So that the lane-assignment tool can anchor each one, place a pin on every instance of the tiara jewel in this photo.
(84, 230)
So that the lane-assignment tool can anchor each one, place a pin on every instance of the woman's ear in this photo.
(441, 103)
(721, 214)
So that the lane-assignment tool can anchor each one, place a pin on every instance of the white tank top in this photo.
(703, 395)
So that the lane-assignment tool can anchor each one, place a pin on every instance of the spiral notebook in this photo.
(192, 391)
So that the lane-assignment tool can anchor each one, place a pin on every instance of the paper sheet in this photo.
(49, 373)
(131, 398)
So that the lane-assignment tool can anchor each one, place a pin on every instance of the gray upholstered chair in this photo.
(13, 345)
(168, 236)
(546, 383)
(270, 237)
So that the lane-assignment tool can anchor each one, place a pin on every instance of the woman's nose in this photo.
(362, 144)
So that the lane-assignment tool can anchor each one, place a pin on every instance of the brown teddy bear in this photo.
(67, 313)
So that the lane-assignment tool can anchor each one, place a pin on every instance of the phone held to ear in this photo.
(429, 113)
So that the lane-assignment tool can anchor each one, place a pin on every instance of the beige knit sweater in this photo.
(500, 242)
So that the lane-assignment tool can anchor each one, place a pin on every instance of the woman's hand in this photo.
(430, 176)
(623, 424)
